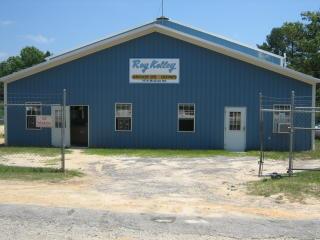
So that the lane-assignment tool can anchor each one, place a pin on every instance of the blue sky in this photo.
(60, 25)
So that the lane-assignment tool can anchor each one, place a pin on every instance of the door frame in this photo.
(225, 127)
(67, 133)
(81, 105)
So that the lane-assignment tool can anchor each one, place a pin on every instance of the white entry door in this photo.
(57, 123)
(235, 128)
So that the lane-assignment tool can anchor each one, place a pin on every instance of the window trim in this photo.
(194, 118)
(115, 117)
(26, 115)
(273, 122)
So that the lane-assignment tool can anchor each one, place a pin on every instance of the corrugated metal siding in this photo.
(208, 79)
(223, 42)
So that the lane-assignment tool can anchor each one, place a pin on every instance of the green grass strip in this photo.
(295, 187)
(36, 173)
(40, 151)
(166, 153)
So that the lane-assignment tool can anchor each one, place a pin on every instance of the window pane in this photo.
(123, 110)
(33, 110)
(36, 110)
(186, 111)
(29, 110)
(123, 124)
(186, 125)
(235, 121)
(58, 119)
(31, 122)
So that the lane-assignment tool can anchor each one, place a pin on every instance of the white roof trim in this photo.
(230, 40)
(147, 29)
(239, 55)
(98, 40)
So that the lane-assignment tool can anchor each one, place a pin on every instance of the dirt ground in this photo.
(208, 187)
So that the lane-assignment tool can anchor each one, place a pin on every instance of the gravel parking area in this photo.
(208, 193)
(207, 187)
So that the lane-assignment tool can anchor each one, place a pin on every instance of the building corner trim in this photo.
(314, 87)
(5, 113)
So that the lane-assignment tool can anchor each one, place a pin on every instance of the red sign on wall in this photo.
(44, 121)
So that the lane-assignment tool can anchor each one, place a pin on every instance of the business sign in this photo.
(154, 70)
(43, 121)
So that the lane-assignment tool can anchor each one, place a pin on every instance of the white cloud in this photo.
(39, 38)
(5, 22)
(3, 55)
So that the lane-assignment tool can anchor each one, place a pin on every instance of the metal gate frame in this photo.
(293, 109)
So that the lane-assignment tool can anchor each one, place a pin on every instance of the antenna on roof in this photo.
(162, 8)
(162, 16)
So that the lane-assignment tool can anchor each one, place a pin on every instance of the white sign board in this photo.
(44, 121)
(154, 70)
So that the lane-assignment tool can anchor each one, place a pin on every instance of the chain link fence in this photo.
(1, 122)
(287, 125)
(32, 120)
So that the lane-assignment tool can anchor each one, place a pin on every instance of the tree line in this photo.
(300, 41)
(28, 57)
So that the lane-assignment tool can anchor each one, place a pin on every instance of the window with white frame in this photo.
(33, 109)
(281, 120)
(186, 117)
(123, 115)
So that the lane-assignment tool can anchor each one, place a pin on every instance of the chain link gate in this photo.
(291, 118)
(26, 122)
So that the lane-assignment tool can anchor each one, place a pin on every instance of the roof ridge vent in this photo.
(162, 18)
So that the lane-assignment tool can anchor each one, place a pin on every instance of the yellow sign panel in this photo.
(154, 77)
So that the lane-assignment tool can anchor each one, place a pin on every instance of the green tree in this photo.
(31, 56)
(28, 57)
(300, 41)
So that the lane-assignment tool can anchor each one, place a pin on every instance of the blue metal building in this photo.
(160, 85)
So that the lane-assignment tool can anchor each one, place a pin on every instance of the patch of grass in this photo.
(52, 162)
(159, 152)
(40, 151)
(36, 174)
(283, 155)
(276, 155)
(295, 187)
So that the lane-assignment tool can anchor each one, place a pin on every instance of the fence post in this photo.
(261, 135)
(291, 135)
(63, 125)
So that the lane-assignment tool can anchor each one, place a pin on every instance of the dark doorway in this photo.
(79, 126)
